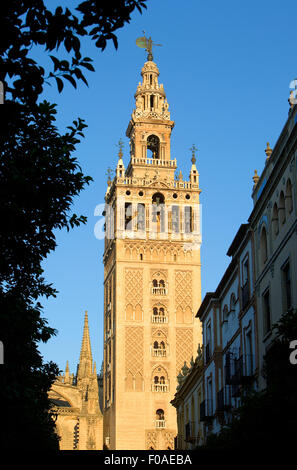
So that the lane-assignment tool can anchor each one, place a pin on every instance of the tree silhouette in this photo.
(39, 178)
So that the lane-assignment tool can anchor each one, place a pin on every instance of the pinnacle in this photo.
(85, 359)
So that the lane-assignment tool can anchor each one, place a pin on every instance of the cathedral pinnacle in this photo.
(193, 149)
(120, 145)
(255, 179)
(108, 174)
(85, 359)
(268, 151)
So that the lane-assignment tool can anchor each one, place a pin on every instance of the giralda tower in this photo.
(152, 286)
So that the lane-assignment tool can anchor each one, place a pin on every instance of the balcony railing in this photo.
(206, 410)
(159, 319)
(160, 388)
(159, 352)
(207, 353)
(160, 423)
(245, 294)
(153, 161)
(190, 432)
(223, 400)
(159, 291)
(239, 369)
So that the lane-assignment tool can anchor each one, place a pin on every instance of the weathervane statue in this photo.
(147, 44)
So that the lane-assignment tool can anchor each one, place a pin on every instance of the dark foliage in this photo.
(39, 178)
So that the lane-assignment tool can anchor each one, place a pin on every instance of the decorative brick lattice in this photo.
(134, 287)
(183, 289)
(184, 347)
(168, 440)
(151, 439)
(134, 349)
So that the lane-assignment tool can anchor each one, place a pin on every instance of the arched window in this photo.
(140, 217)
(158, 212)
(274, 221)
(263, 245)
(158, 199)
(232, 303)
(160, 380)
(138, 382)
(225, 313)
(138, 313)
(159, 315)
(289, 199)
(129, 382)
(156, 345)
(188, 219)
(281, 208)
(152, 101)
(159, 287)
(160, 414)
(153, 146)
(175, 219)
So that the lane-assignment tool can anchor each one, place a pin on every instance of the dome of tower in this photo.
(150, 66)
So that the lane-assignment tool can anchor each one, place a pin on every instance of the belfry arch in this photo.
(153, 145)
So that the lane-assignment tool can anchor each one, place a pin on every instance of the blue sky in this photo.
(226, 69)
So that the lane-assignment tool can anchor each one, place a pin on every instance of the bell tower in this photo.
(152, 286)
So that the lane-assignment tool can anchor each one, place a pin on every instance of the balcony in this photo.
(223, 400)
(159, 352)
(239, 370)
(207, 353)
(154, 162)
(160, 388)
(159, 319)
(245, 295)
(206, 410)
(190, 432)
(160, 423)
(247, 368)
(159, 291)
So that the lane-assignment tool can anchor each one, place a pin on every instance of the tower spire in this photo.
(85, 359)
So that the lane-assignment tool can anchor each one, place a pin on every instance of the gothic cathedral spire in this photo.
(85, 358)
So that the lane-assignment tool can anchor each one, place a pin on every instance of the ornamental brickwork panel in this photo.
(184, 347)
(183, 289)
(134, 350)
(151, 440)
(134, 287)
